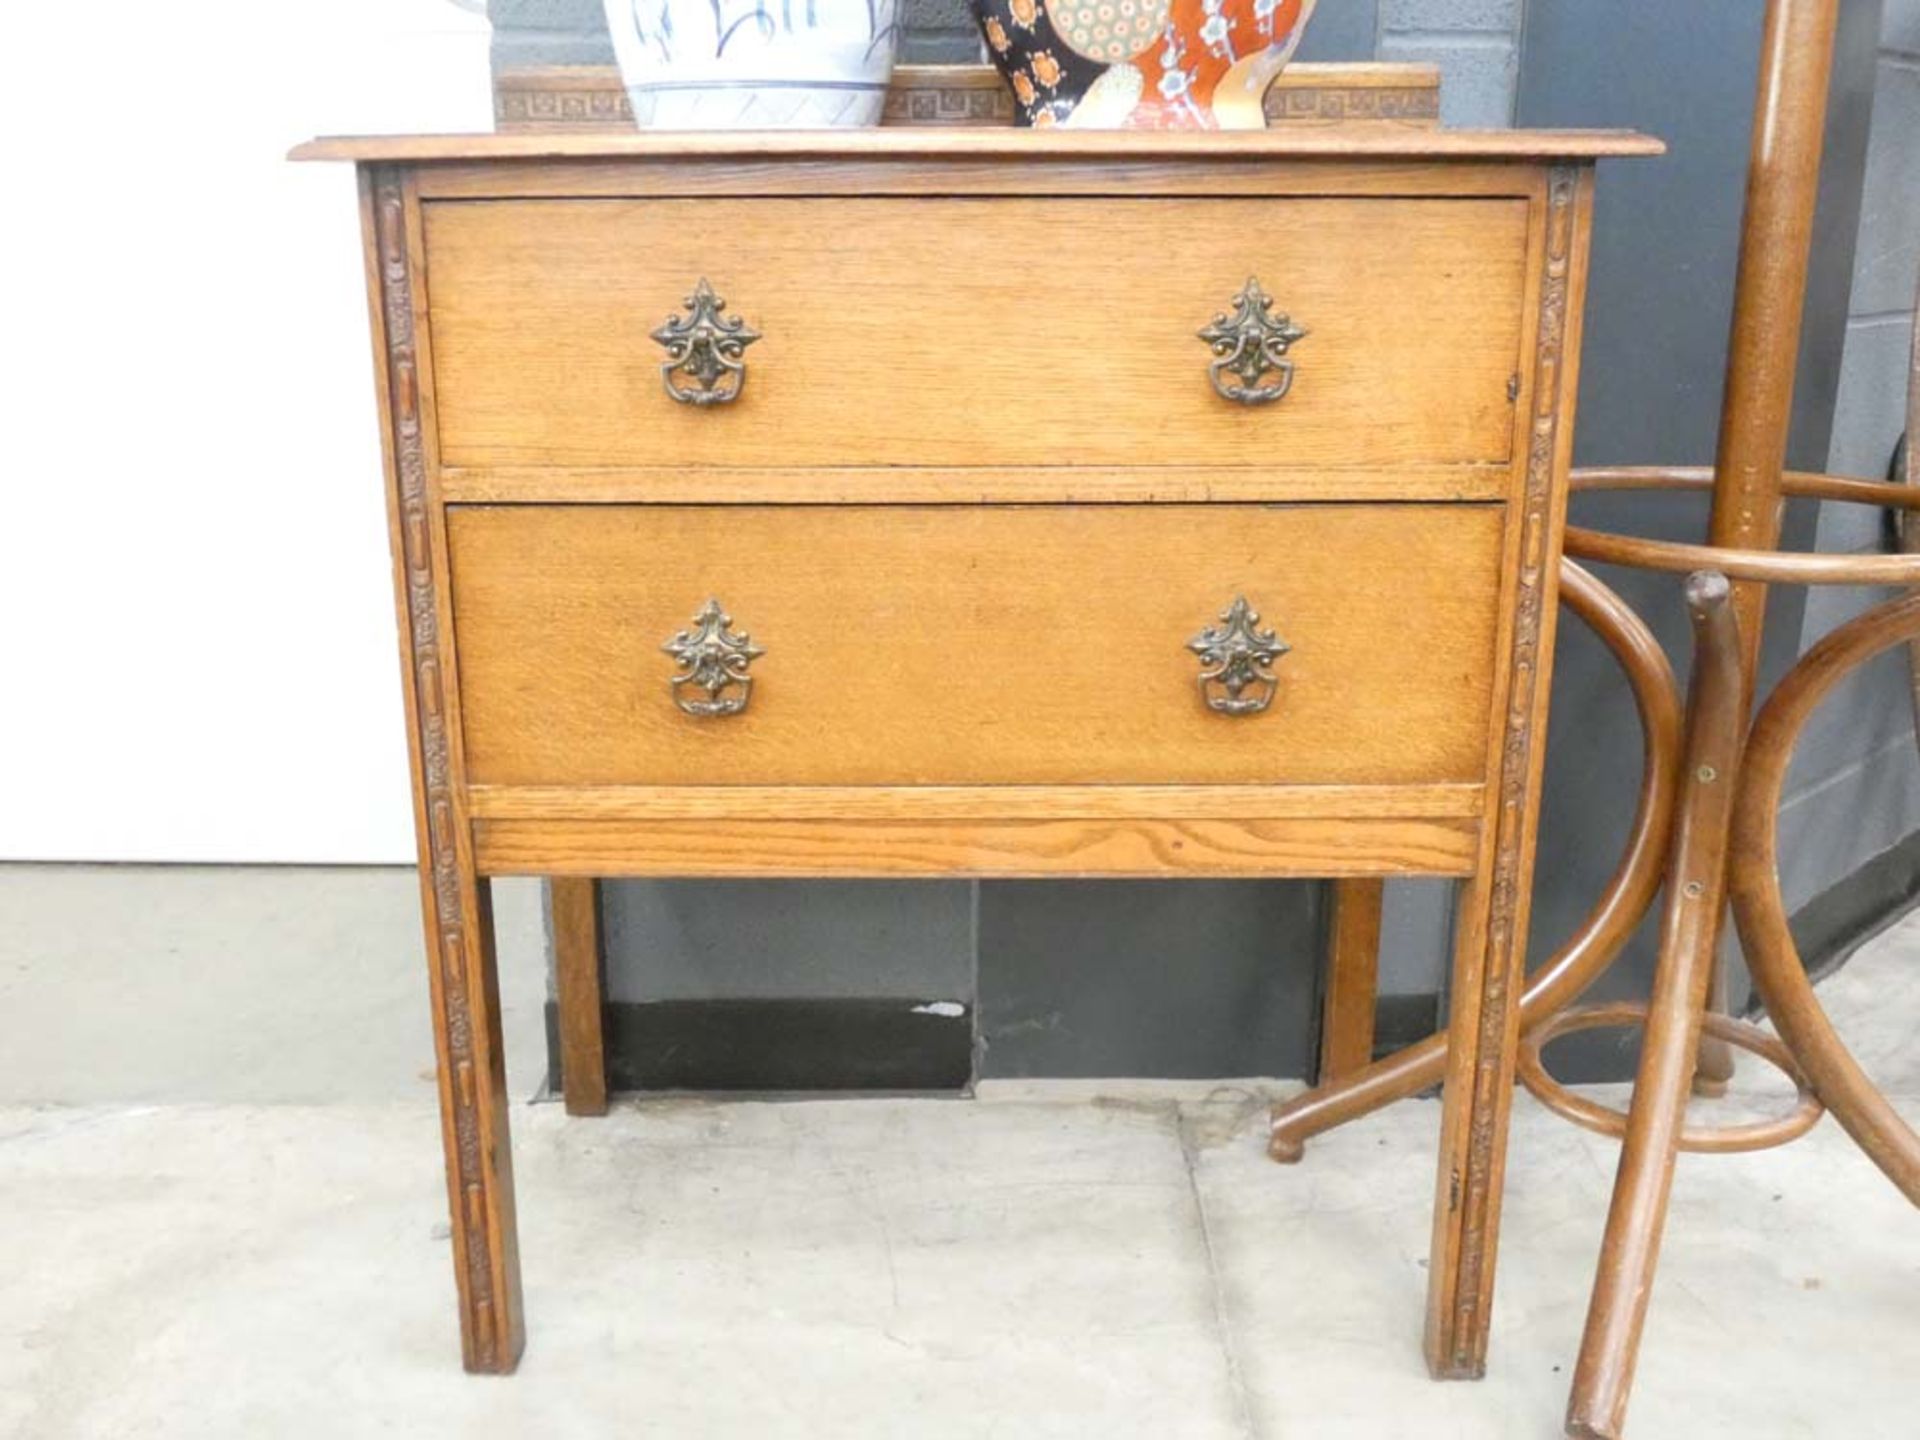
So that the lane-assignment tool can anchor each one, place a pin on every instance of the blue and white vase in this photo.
(755, 64)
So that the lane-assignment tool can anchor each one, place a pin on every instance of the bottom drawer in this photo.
(967, 645)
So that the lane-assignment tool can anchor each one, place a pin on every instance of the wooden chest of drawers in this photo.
(874, 503)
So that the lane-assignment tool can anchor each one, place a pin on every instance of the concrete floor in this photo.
(214, 1234)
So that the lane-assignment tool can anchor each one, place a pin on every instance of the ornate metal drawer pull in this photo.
(1236, 659)
(1250, 345)
(713, 659)
(707, 347)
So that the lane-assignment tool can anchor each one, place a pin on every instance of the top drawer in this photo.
(976, 332)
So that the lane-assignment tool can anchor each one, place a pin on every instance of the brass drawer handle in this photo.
(713, 659)
(1236, 659)
(1249, 346)
(706, 346)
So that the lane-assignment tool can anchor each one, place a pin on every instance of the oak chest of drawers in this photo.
(977, 503)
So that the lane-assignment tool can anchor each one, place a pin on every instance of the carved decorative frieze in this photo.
(591, 97)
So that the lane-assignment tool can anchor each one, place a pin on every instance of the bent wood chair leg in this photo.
(1586, 954)
(578, 993)
(1875, 1124)
(1353, 979)
(1713, 1070)
(1690, 923)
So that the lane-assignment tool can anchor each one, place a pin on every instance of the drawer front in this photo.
(930, 645)
(946, 332)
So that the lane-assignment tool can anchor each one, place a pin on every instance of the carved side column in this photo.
(1490, 946)
(455, 904)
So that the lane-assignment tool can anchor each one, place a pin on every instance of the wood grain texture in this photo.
(971, 644)
(890, 330)
(981, 485)
(1142, 848)
(574, 905)
(1228, 172)
(1491, 936)
(1352, 979)
(976, 802)
(456, 906)
(1341, 141)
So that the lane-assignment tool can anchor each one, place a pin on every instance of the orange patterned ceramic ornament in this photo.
(1142, 64)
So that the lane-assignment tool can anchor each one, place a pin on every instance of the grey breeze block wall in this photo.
(1219, 978)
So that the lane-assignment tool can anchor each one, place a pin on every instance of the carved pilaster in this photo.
(1502, 960)
(451, 927)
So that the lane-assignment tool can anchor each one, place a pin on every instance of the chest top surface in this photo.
(1364, 141)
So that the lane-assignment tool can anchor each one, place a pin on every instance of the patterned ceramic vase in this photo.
(1142, 64)
(754, 64)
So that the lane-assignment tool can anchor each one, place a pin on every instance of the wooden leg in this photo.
(1490, 960)
(473, 1123)
(456, 904)
(1696, 894)
(1353, 976)
(1476, 1103)
(577, 962)
(1713, 1070)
